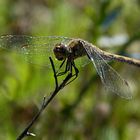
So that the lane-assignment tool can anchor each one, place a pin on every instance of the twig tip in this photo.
(31, 134)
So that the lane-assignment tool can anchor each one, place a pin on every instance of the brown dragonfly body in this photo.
(76, 48)
(69, 50)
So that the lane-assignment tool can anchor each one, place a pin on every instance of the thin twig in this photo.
(45, 103)
(55, 76)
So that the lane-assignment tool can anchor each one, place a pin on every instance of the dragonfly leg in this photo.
(75, 75)
(75, 69)
(61, 65)
(69, 67)
(66, 69)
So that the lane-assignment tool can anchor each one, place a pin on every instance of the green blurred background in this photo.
(83, 110)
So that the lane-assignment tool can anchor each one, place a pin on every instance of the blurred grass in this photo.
(82, 110)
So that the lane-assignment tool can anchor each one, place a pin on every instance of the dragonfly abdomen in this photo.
(120, 58)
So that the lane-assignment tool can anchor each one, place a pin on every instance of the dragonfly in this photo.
(68, 51)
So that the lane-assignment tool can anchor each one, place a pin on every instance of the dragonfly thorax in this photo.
(77, 48)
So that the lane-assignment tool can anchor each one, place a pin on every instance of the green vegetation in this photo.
(83, 110)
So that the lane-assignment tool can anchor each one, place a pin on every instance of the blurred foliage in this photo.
(82, 110)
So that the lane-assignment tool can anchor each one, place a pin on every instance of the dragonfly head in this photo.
(60, 51)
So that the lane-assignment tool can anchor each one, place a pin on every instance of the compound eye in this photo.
(60, 51)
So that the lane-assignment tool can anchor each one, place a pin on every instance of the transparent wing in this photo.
(109, 77)
(35, 50)
(81, 62)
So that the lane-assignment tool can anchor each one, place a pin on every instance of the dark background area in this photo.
(83, 110)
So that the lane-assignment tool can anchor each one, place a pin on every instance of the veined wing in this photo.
(35, 50)
(109, 77)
